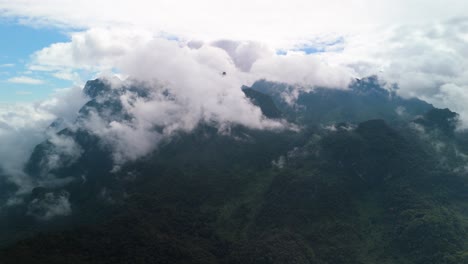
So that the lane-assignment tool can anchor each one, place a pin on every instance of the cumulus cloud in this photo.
(422, 52)
(94, 49)
(420, 59)
(279, 24)
(244, 54)
(185, 87)
(100, 49)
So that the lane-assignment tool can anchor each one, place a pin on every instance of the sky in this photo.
(17, 81)
(357, 34)
(364, 36)
(50, 48)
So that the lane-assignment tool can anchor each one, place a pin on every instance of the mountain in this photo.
(263, 101)
(369, 177)
(363, 100)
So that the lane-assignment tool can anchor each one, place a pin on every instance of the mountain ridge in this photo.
(370, 185)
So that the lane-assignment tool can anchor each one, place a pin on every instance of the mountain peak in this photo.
(369, 85)
(263, 101)
(442, 119)
(94, 88)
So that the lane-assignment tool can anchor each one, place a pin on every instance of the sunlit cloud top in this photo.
(277, 23)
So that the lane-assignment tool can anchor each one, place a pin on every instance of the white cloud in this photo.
(456, 97)
(398, 40)
(19, 126)
(245, 53)
(25, 80)
(7, 65)
(95, 49)
(186, 86)
(279, 24)
(23, 126)
(99, 50)
(65, 152)
(303, 70)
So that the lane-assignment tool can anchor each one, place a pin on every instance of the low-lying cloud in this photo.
(23, 126)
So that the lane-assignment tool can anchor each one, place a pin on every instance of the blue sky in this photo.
(18, 43)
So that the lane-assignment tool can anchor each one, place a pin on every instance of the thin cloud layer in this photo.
(279, 24)
(25, 80)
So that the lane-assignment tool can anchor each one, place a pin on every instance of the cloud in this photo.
(23, 92)
(185, 87)
(23, 126)
(25, 80)
(456, 97)
(303, 70)
(421, 50)
(65, 151)
(99, 50)
(396, 39)
(95, 49)
(279, 24)
(50, 205)
(7, 65)
(426, 61)
(245, 53)
(280, 163)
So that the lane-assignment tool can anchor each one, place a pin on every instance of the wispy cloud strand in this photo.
(25, 80)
